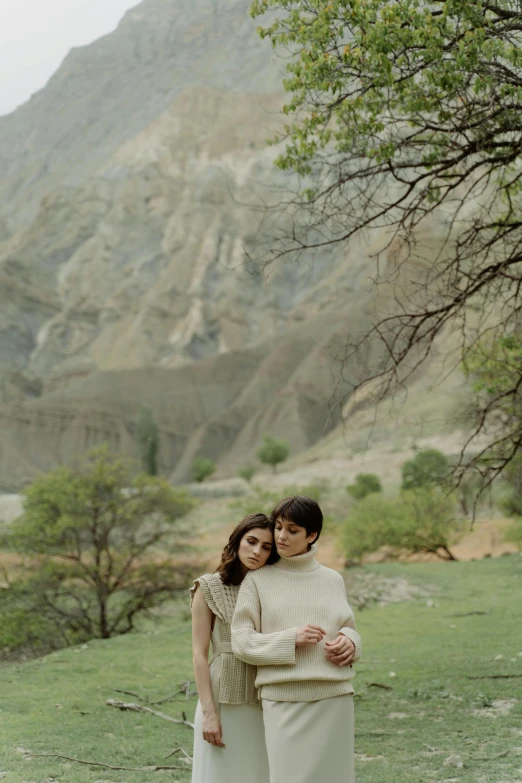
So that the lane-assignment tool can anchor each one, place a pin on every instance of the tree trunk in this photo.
(104, 625)
(450, 555)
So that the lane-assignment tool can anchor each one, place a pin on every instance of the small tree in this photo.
(88, 534)
(202, 468)
(273, 451)
(148, 439)
(429, 467)
(417, 521)
(431, 524)
(248, 472)
(365, 484)
(373, 522)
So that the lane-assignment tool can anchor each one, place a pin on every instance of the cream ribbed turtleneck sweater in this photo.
(273, 603)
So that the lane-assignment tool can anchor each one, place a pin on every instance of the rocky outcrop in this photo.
(219, 407)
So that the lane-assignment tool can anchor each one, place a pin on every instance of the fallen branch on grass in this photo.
(130, 693)
(492, 676)
(183, 689)
(152, 768)
(379, 685)
(121, 705)
(373, 733)
(183, 752)
(469, 614)
(491, 758)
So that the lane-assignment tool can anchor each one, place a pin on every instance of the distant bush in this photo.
(365, 484)
(417, 521)
(429, 467)
(87, 535)
(273, 451)
(202, 468)
(248, 472)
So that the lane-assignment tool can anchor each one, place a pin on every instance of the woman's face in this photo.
(291, 539)
(255, 548)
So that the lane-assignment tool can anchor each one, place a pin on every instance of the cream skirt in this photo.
(310, 741)
(244, 759)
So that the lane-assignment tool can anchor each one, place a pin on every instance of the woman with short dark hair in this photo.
(294, 623)
(229, 744)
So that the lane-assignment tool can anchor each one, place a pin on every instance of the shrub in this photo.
(365, 484)
(273, 451)
(428, 467)
(248, 472)
(202, 468)
(417, 521)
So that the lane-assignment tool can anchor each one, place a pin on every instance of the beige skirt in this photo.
(310, 741)
(244, 758)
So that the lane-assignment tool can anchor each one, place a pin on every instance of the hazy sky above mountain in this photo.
(35, 36)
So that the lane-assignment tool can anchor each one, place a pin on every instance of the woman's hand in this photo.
(341, 651)
(212, 731)
(309, 634)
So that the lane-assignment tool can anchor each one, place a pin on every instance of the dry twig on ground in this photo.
(132, 707)
(150, 768)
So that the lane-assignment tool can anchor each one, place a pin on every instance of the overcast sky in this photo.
(35, 36)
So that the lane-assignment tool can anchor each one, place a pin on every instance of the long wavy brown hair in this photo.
(229, 568)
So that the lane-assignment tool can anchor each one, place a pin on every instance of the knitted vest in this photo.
(232, 681)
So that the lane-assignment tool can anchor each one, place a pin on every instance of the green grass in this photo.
(433, 720)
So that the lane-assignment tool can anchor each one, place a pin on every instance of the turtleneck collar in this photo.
(304, 562)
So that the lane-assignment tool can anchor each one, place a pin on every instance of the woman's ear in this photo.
(311, 538)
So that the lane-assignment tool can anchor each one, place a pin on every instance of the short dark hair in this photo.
(302, 511)
(230, 567)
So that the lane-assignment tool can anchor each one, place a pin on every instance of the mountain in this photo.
(133, 188)
(106, 93)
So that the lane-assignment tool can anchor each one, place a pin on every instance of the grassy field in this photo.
(451, 709)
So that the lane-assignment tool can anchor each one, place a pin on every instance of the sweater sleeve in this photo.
(251, 646)
(348, 630)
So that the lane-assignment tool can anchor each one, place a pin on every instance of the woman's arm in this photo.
(251, 646)
(201, 632)
(347, 647)
(349, 630)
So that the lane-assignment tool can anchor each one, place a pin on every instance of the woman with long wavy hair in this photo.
(229, 742)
